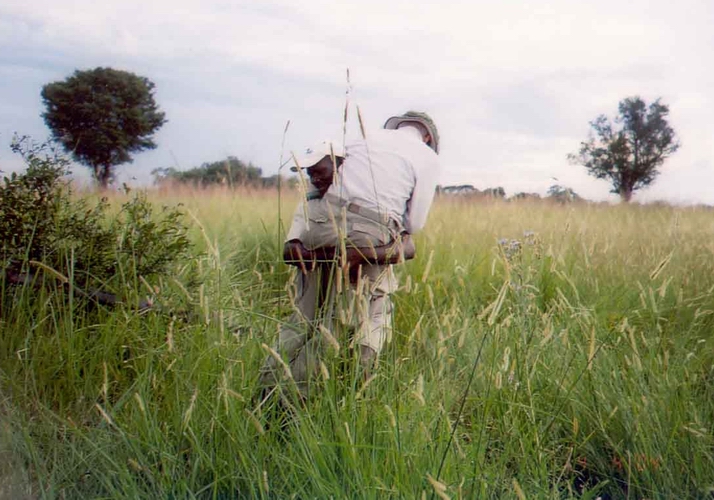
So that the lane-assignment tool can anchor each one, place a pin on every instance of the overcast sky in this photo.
(512, 85)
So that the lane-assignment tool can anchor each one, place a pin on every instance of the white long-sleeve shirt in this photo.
(391, 172)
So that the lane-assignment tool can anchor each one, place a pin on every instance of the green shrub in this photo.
(44, 225)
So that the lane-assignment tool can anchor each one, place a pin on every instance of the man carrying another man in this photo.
(368, 202)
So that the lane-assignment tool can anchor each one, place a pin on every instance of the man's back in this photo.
(391, 172)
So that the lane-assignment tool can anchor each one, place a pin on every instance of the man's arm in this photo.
(399, 250)
(394, 252)
(296, 254)
(427, 172)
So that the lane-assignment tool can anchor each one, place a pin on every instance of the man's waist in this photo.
(380, 215)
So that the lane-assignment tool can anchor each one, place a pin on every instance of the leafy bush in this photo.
(43, 224)
(29, 202)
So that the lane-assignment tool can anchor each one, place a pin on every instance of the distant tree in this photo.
(497, 192)
(562, 194)
(101, 116)
(461, 189)
(525, 196)
(273, 180)
(230, 172)
(629, 156)
(163, 174)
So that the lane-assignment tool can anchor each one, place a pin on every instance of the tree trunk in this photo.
(625, 194)
(102, 174)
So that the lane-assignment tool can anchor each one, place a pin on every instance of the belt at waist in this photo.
(374, 215)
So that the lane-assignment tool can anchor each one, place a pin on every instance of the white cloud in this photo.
(512, 85)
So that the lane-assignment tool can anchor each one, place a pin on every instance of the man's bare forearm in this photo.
(296, 254)
(399, 250)
(396, 251)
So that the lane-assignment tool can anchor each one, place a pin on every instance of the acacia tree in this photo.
(102, 115)
(630, 152)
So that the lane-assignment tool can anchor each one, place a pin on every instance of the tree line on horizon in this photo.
(102, 116)
(230, 172)
(556, 192)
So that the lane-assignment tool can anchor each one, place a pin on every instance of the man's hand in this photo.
(398, 250)
(296, 254)
(394, 252)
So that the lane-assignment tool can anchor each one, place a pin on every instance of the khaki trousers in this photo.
(331, 316)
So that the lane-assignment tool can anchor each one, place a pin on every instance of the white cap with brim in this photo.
(313, 155)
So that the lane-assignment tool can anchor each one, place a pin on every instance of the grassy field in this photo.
(540, 351)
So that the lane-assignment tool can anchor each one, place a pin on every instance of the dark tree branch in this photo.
(15, 277)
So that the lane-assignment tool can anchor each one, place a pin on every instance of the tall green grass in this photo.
(576, 363)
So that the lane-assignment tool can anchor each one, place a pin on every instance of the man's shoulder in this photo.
(391, 140)
(370, 136)
(390, 136)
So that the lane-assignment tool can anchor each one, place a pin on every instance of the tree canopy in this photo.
(629, 152)
(101, 116)
(230, 172)
(562, 194)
